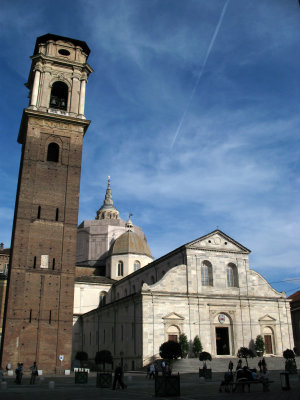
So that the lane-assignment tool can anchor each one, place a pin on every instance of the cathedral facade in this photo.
(204, 288)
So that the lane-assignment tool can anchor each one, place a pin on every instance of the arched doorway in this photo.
(269, 340)
(173, 333)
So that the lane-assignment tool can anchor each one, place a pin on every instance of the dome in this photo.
(132, 243)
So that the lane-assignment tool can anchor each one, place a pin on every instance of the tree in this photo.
(81, 356)
(197, 346)
(288, 354)
(170, 350)
(245, 353)
(259, 344)
(103, 357)
(183, 342)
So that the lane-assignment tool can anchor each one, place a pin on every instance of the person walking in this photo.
(119, 377)
(34, 373)
(152, 371)
(230, 366)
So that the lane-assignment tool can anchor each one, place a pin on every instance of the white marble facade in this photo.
(203, 288)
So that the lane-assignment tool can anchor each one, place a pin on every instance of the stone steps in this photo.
(189, 365)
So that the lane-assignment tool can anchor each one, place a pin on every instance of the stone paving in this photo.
(140, 388)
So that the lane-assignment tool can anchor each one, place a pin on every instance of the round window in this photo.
(64, 52)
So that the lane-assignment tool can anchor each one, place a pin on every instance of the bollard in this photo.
(3, 385)
(51, 385)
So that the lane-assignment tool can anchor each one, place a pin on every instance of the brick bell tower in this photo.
(39, 305)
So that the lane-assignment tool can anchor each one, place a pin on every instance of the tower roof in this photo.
(132, 243)
(50, 36)
(108, 210)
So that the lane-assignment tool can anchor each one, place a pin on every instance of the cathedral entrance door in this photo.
(173, 338)
(268, 344)
(222, 341)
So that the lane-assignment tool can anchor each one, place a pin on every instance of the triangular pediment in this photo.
(267, 318)
(217, 241)
(173, 316)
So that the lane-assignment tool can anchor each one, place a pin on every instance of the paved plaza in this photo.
(140, 388)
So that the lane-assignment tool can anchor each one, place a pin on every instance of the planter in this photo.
(291, 366)
(81, 377)
(104, 379)
(205, 373)
(166, 386)
(259, 353)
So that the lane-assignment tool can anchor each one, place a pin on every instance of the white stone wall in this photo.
(146, 312)
(128, 264)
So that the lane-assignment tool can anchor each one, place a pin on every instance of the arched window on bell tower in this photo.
(59, 96)
(53, 152)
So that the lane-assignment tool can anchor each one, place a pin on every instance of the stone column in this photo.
(82, 98)
(35, 89)
(45, 90)
(75, 92)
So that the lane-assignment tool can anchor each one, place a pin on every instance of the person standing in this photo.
(260, 365)
(19, 373)
(230, 366)
(239, 364)
(34, 373)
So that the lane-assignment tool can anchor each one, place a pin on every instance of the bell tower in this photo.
(39, 304)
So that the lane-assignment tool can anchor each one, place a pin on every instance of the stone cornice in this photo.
(50, 117)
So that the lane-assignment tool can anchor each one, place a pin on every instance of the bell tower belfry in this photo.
(39, 304)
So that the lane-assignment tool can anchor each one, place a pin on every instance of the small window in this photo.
(39, 213)
(56, 215)
(50, 317)
(30, 316)
(34, 262)
(53, 263)
(120, 268)
(53, 152)
(136, 265)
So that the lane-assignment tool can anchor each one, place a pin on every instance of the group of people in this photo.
(19, 373)
(153, 369)
(244, 373)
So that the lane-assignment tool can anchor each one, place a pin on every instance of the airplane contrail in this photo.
(201, 71)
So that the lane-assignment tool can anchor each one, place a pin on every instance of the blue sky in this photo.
(195, 116)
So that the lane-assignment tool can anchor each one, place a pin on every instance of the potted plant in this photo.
(259, 346)
(290, 362)
(167, 384)
(205, 372)
(81, 376)
(197, 346)
(104, 379)
(184, 344)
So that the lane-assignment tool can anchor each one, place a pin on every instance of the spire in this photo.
(108, 210)
(129, 223)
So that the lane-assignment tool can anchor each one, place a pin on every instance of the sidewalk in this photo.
(140, 388)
